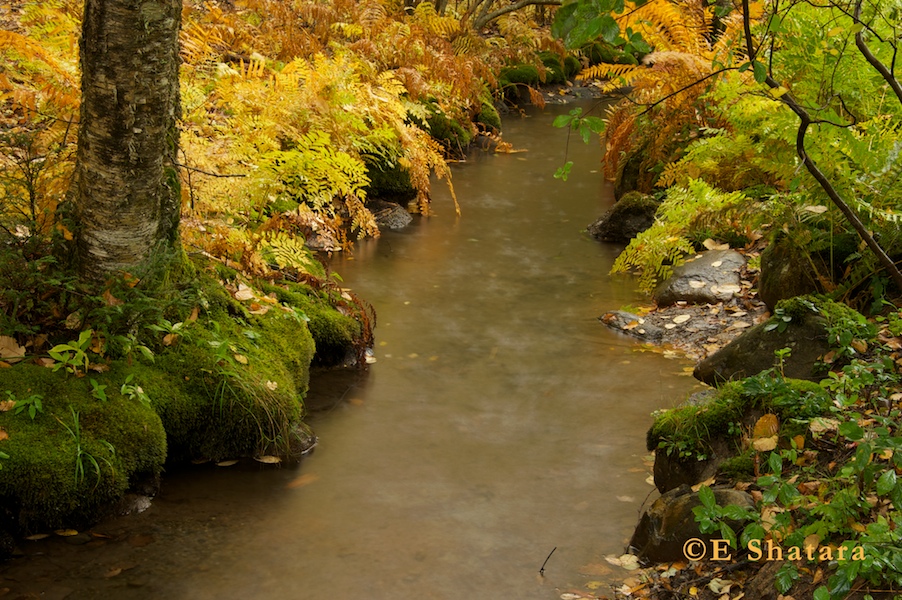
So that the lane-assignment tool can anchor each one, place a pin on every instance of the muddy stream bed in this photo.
(499, 421)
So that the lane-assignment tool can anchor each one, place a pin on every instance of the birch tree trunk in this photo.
(127, 196)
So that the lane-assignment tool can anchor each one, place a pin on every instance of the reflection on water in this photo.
(500, 421)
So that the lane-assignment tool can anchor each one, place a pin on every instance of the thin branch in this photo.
(869, 56)
(648, 107)
(485, 19)
(208, 173)
(806, 121)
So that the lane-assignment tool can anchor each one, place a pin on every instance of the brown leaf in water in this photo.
(140, 540)
(66, 532)
(38, 536)
(305, 479)
(226, 463)
(268, 459)
(112, 572)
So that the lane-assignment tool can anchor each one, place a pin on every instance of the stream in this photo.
(500, 421)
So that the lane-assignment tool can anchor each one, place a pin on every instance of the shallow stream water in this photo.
(500, 421)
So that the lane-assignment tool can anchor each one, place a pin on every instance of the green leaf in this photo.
(735, 513)
(775, 461)
(564, 172)
(887, 482)
(787, 574)
(561, 121)
(760, 71)
(851, 430)
(821, 593)
(706, 496)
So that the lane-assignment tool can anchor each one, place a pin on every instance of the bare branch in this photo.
(487, 17)
(869, 56)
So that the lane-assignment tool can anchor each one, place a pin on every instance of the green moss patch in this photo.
(71, 464)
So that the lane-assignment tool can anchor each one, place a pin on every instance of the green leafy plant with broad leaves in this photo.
(713, 518)
(72, 356)
(132, 391)
(33, 404)
(585, 126)
(98, 390)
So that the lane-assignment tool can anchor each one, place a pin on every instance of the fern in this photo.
(657, 250)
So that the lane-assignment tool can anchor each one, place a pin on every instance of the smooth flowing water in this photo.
(500, 421)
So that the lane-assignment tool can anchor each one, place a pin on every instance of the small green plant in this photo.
(82, 456)
(712, 517)
(133, 391)
(98, 390)
(585, 126)
(33, 404)
(73, 356)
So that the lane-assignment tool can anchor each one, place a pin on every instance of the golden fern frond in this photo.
(426, 16)
(286, 251)
(10, 40)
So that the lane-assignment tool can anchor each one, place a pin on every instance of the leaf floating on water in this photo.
(268, 459)
(305, 479)
(681, 319)
(112, 573)
(226, 463)
(66, 532)
(38, 536)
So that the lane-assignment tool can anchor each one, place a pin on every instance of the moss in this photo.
(40, 487)
(554, 67)
(488, 117)
(843, 323)
(390, 181)
(519, 74)
(447, 130)
(691, 428)
(572, 66)
(233, 385)
(739, 468)
(335, 334)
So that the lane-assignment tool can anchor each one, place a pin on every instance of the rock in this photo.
(389, 215)
(710, 278)
(671, 472)
(666, 526)
(631, 324)
(785, 273)
(753, 352)
(633, 214)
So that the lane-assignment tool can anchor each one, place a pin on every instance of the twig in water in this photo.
(542, 570)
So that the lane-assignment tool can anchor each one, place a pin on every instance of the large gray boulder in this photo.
(709, 278)
(669, 523)
(389, 215)
(753, 351)
(630, 216)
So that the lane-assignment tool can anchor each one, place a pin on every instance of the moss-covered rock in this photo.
(389, 181)
(452, 133)
(554, 67)
(572, 66)
(71, 464)
(519, 74)
(693, 441)
(488, 117)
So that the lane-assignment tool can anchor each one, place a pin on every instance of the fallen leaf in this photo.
(740, 313)
(268, 459)
(44, 362)
(243, 292)
(696, 284)
(271, 386)
(38, 536)
(305, 479)
(720, 586)
(3, 435)
(821, 424)
(740, 325)
(7, 405)
(99, 367)
(818, 209)
(765, 444)
(10, 349)
(195, 312)
(681, 319)
(112, 573)
(110, 300)
(716, 263)
(712, 245)
(860, 346)
(170, 338)
(766, 426)
(226, 463)
(241, 358)
(5, 365)
(66, 532)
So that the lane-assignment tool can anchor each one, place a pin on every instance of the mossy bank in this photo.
(222, 375)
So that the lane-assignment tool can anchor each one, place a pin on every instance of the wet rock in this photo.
(753, 352)
(670, 472)
(666, 526)
(389, 215)
(633, 214)
(709, 278)
(631, 324)
(785, 273)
